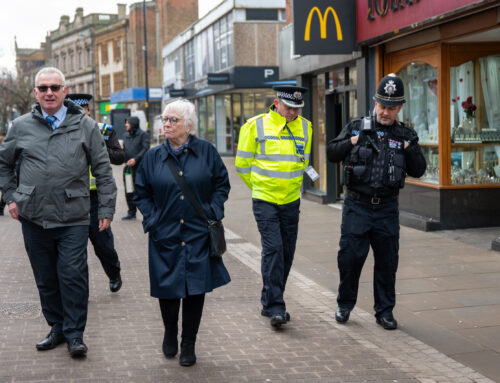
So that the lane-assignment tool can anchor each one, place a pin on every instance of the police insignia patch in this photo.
(390, 88)
(297, 94)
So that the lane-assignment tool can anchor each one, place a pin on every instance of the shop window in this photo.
(475, 121)
(211, 119)
(421, 112)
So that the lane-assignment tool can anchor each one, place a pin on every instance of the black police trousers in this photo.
(58, 258)
(103, 241)
(365, 224)
(278, 226)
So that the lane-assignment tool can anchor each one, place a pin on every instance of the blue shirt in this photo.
(60, 115)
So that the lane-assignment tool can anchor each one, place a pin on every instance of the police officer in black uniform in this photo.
(377, 153)
(103, 241)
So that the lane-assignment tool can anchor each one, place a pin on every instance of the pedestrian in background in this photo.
(55, 145)
(103, 241)
(377, 153)
(135, 143)
(180, 266)
(273, 152)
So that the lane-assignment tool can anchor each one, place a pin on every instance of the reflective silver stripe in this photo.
(306, 156)
(243, 154)
(278, 157)
(260, 134)
(242, 170)
(277, 174)
(305, 127)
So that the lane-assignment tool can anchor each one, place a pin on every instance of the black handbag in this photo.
(215, 228)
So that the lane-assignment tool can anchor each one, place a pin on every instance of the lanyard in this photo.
(295, 142)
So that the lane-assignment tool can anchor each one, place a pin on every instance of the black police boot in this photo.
(387, 322)
(342, 315)
(129, 215)
(115, 284)
(278, 319)
(266, 313)
(187, 357)
(170, 343)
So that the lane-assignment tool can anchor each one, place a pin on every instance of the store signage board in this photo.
(381, 17)
(324, 26)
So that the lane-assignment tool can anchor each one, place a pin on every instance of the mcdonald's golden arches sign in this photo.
(324, 26)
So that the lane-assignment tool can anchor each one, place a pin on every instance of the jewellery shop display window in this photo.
(453, 103)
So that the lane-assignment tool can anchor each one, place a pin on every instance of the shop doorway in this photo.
(335, 119)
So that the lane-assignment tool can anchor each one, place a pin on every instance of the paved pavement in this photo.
(448, 306)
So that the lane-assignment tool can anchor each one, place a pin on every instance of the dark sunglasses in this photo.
(53, 88)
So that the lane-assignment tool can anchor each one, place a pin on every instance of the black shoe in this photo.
(52, 340)
(387, 322)
(129, 216)
(76, 347)
(342, 315)
(115, 284)
(188, 357)
(266, 313)
(170, 344)
(278, 319)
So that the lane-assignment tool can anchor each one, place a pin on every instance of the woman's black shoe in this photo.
(188, 357)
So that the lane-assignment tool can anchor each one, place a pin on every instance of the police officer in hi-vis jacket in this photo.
(273, 153)
(377, 153)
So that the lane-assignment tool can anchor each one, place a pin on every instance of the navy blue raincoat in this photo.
(179, 260)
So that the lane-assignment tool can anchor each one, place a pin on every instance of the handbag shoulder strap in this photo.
(185, 188)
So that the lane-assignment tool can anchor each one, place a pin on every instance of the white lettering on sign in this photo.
(268, 72)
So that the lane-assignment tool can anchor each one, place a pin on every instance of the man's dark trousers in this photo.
(58, 258)
(278, 226)
(103, 241)
(365, 224)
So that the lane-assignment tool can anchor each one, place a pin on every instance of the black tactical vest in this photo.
(376, 164)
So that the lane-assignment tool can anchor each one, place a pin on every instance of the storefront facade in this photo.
(338, 83)
(448, 54)
(226, 63)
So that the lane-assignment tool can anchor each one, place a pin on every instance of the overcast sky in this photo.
(31, 20)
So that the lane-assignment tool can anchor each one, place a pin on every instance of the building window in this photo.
(189, 62)
(223, 43)
(72, 62)
(105, 85)
(261, 14)
(117, 54)
(80, 60)
(104, 54)
(118, 81)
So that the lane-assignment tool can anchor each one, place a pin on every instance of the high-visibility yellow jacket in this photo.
(269, 160)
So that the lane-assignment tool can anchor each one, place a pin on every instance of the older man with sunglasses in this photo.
(54, 146)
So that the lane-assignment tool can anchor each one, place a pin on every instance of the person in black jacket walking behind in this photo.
(103, 241)
(136, 143)
(377, 152)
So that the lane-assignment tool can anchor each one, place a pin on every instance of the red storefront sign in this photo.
(380, 17)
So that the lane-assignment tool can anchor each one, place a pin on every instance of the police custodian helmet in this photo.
(390, 91)
(81, 99)
(291, 96)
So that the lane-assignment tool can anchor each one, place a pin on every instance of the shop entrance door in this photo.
(335, 119)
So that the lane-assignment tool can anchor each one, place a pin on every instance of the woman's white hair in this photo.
(187, 110)
(50, 69)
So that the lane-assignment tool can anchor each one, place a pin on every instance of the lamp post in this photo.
(145, 48)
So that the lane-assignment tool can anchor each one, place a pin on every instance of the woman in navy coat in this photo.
(180, 266)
